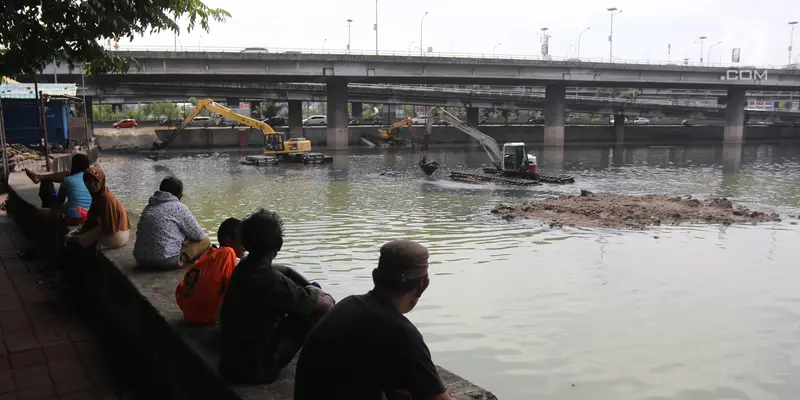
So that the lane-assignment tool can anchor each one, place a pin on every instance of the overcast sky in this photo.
(760, 28)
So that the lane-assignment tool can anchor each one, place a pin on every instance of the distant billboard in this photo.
(735, 54)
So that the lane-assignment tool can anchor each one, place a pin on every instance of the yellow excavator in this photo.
(275, 145)
(388, 135)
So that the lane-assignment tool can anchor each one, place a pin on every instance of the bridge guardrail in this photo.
(412, 53)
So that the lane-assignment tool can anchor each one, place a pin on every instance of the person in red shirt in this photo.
(203, 286)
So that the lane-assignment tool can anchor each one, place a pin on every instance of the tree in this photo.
(33, 33)
(269, 108)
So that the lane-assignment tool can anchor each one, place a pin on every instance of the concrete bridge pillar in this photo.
(619, 129)
(296, 119)
(115, 107)
(356, 109)
(388, 113)
(337, 114)
(734, 116)
(554, 117)
(473, 116)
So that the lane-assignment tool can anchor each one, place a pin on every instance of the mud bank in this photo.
(608, 210)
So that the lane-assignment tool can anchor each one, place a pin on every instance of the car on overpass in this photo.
(641, 121)
(255, 50)
(319, 120)
(125, 123)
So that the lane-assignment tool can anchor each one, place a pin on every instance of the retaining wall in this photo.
(531, 135)
(141, 305)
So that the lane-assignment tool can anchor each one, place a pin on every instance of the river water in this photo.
(528, 312)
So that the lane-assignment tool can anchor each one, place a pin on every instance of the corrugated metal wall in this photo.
(20, 117)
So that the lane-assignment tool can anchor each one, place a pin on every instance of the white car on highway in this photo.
(641, 121)
(320, 120)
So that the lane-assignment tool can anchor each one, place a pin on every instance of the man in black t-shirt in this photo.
(364, 348)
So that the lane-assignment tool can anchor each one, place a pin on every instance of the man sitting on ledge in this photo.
(168, 236)
(265, 315)
(365, 348)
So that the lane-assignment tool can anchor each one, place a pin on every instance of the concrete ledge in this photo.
(141, 305)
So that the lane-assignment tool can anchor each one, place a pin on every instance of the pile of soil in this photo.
(608, 210)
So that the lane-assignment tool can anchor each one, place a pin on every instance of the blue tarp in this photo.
(20, 118)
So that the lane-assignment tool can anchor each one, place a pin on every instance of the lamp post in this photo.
(647, 58)
(420, 32)
(376, 27)
(791, 39)
(702, 38)
(349, 21)
(709, 51)
(323, 44)
(494, 50)
(566, 55)
(409, 47)
(578, 49)
(613, 11)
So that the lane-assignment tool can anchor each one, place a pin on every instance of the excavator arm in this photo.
(488, 142)
(392, 131)
(210, 105)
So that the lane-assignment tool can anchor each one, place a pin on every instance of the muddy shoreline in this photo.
(609, 210)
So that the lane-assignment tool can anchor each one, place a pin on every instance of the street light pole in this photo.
(578, 49)
(494, 50)
(709, 51)
(323, 45)
(648, 55)
(349, 21)
(420, 33)
(376, 27)
(702, 38)
(791, 39)
(409, 47)
(611, 33)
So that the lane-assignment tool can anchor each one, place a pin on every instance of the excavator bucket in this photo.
(429, 167)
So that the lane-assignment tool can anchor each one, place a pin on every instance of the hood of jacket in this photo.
(160, 197)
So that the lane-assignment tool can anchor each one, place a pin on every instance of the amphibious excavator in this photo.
(512, 165)
(276, 147)
(389, 135)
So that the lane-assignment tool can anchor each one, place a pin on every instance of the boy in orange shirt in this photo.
(201, 290)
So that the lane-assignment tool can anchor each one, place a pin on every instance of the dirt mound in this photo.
(608, 210)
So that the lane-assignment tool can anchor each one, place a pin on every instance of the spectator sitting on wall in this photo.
(168, 236)
(365, 348)
(266, 313)
(107, 223)
(203, 286)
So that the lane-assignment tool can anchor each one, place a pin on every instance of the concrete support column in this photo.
(619, 128)
(473, 116)
(734, 116)
(232, 102)
(554, 117)
(337, 114)
(356, 109)
(388, 113)
(115, 107)
(296, 118)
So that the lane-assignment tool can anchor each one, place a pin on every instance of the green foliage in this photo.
(33, 33)
(269, 108)
(409, 111)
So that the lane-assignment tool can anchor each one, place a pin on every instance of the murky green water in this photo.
(697, 312)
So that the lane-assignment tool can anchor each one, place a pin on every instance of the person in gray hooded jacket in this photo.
(168, 236)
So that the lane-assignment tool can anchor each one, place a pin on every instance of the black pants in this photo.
(290, 334)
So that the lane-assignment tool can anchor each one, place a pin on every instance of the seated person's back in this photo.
(165, 227)
(202, 288)
(365, 348)
(265, 315)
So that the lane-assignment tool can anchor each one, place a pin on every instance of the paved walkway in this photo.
(49, 344)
